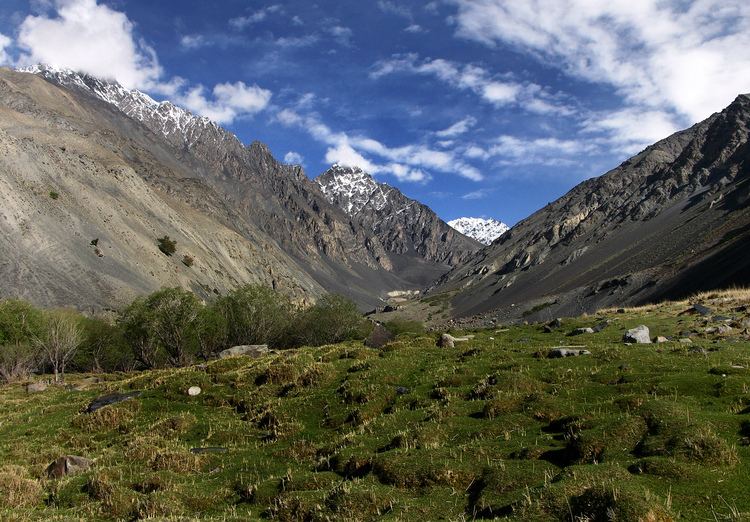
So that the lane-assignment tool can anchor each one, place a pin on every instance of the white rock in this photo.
(194, 390)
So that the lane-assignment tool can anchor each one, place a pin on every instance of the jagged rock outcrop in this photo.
(409, 231)
(671, 220)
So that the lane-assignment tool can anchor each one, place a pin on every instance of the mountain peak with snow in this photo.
(353, 189)
(483, 230)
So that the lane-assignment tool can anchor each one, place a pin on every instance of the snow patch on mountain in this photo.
(483, 230)
(353, 189)
(164, 117)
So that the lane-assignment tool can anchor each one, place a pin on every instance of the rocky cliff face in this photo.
(127, 169)
(664, 223)
(404, 226)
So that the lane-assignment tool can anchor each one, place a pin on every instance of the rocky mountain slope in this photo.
(409, 231)
(125, 169)
(483, 230)
(672, 220)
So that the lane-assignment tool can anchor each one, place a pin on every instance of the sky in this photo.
(488, 108)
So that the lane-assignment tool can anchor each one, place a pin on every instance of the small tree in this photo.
(167, 246)
(20, 324)
(135, 322)
(59, 341)
(256, 314)
(334, 318)
(212, 331)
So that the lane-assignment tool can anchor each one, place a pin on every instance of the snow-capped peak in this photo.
(353, 189)
(483, 230)
(162, 117)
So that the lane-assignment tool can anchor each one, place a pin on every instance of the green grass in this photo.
(410, 432)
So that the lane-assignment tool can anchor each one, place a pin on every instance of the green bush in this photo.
(53, 194)
(256, 314)
(332, 319)
(167, 246)
(20, 322)
(103, 348)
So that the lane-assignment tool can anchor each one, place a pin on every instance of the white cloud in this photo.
(512, 150)
(414, 28)
(293, 158)
(343, 35)
(476, 194)
(241, 22)
(499, 92)
(230, 101)
(4, 44)
(193, 41)
(91, 38)
(458, 128)
(632, 129)
(684, 57)
(407, 163)
(390, 7)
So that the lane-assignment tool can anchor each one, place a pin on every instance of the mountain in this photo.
(419, 243)
(85, 159)
(672, 220)
(483, 230)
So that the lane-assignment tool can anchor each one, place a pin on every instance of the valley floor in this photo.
(490, 428)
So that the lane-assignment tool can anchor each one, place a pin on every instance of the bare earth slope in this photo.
(671, 220)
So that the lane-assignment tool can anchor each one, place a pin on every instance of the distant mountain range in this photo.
(92, 174)
(483, 230)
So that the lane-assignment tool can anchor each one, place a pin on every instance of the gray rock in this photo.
(36, 387)
(686, 340)
(638, 335)
(250, 350)
(68, 465)
(601, 325)
(703, 310)
(558, 353)
(112, 398)
(724, 329)
(661, 339)
(581, 331)
(446, 341)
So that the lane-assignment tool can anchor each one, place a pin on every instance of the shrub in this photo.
(59, 341)
(332, 319)
(17, 361)
(103, 348)
(256, 314)
(53, 194)
(19, 322)
(167, 246)
(187, 260)
(212, 331)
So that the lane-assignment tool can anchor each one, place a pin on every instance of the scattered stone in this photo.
(194, 390)
(68, 465)
(210, 449)
(661, 339)
(36, 387)
(251, 350)
(710, 330)
(112, 398)
(446, 341)
(402, 390)
(379, 337)
(558, 353)
(581, 331)
(721, 319)
(390, 308)
(601, 325)
(638, 335)
(699, 308)
(686, 340)
(724, 329)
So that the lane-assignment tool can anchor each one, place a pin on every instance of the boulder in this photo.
(581, 331)
(36, 387)
(68, 465)
(558, 353)
(112, 398)
(379, 337)
(661, 339)
(250, 350)
(638, 335)
(446, 341)
(194, 390)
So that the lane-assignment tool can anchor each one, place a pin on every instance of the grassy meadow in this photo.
(491, 429)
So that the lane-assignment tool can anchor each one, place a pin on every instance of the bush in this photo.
(332, 319)
(167, 246)
(17, 361)
(161, 327)
(187, 260)
(212, 331)
(61, 336)
(256, 314)
(53, 194)
(401, 326)
(103, 348)
(19, 322)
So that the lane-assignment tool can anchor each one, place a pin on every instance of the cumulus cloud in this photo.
(498, 91)
(406, 163)
(229, 101)
(91, 38)
(673, 62)
(293, 158)
(4, 44)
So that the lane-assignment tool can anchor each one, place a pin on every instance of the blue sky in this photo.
(476, 107)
